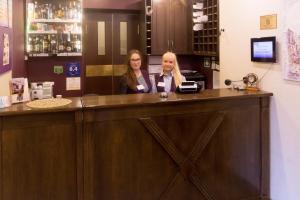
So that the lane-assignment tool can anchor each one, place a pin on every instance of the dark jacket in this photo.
(160, 78)
(125, 89)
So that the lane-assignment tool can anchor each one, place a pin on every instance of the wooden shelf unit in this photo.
(148, 28)
(206, 41)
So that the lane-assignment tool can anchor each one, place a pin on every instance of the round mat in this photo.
(48, 103)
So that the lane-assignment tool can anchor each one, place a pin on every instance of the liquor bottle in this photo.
(59, 12)
(53, 44)
(68, 43)
(45, 43)
(79, 13)
(30, 45)
(50, 11)
(36, 10)
(76, 43)
(61, 47)
(37, 45)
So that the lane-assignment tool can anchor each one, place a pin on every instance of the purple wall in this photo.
(19, 65)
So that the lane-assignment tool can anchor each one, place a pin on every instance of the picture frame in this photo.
(4, 14)
(207, 62)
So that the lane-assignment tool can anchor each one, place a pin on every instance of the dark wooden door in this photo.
(131, 24)
(171, 27)
(181, 26)
(96, 65)
(103, 70)
(160, 41)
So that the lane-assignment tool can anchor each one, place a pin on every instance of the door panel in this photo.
(180, 21)
(160, 27)
(103, 71)
(131, 21)
(95, 84)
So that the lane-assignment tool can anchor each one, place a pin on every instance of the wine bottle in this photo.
(68, 43)
(61, 47)
(53, 44)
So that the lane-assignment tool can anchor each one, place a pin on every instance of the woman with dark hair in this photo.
(135, 80)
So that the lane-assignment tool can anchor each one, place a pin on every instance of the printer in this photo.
(188, 87)
(41, 90)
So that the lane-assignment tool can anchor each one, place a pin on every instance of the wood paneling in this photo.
(41, 158)
(196, 150)
(212, 145)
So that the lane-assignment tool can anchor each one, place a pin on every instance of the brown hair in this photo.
(131, 79)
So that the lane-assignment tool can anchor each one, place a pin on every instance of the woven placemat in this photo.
(48, 103)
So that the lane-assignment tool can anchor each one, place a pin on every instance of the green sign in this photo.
(58, 69)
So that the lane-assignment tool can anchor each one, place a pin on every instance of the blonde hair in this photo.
(176, 71)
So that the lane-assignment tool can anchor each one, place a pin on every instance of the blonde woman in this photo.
(170, 77)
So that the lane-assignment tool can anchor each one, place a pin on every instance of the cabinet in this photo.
(170, 27)
(54, 28)
(206, 40)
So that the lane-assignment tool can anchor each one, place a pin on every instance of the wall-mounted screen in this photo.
(263, 49)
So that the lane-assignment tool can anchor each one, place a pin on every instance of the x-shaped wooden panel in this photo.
(186, 163)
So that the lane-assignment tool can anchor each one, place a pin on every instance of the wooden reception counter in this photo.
(212, 145)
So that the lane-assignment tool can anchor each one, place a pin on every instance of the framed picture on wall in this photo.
(4, 13)
(291, 42)
(207, 62)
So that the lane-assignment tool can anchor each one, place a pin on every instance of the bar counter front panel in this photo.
(213, 145)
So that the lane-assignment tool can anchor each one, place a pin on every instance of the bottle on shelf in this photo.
(77, 44)
(68, 44)
(61, 47)
(37, 45)
(45, 43)
(30, 44)
(53, 44)
(59, 12)
(50, 11)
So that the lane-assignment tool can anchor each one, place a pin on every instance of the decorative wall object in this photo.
(268, 22)
(291, 44)
(4, 13)
(5, 35)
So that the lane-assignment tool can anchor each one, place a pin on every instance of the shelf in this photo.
(50, 54)
(55, 21)
(42, 32)
(206, 41)
(54, 32)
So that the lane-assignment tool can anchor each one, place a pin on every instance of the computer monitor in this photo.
(263, 49)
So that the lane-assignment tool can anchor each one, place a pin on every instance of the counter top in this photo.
(89, 102)
(21, 108)
(145, 99)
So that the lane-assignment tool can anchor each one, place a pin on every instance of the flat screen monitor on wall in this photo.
(263, 49)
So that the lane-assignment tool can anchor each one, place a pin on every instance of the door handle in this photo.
(172, 44)
(168, 44)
